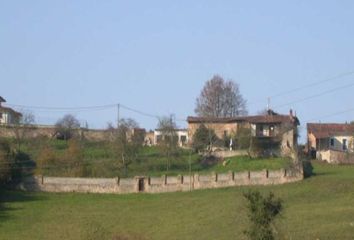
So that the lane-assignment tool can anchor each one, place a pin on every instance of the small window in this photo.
(332, 142)
(0, 115)
(225, 133)
(345, 146)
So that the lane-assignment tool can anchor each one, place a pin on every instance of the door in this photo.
(141, 185)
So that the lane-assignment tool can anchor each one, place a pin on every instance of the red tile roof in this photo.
(325, 130)
(191, 119)
(251, 119)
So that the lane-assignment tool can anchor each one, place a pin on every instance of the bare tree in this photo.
(66, 126)
(169, 139)
(22, 127)
(220, 98)
(126, 144)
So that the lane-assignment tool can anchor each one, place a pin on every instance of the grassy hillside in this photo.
(100, 160)
(320, 207)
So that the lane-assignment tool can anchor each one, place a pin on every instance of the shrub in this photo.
(262, 212)
(74, 159)
(204, 138)
(66, 127)
(46, 159)
(5, 161)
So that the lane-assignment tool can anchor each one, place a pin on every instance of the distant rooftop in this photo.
(325, 130)
(269, 117)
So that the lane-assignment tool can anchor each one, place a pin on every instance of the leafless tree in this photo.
(126, 143)
(169, 139)
(66, 126)
(220, 98)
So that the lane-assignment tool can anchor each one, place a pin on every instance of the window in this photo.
(260, 133)
(332, 142)
(345, 146)
(183, 139)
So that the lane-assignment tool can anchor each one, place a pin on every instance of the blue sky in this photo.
(155, 56)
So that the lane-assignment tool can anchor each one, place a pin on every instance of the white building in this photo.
(180, 134)
(8, 115)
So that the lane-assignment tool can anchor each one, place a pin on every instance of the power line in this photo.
(332, 114)
(316, 95)
(296, 89)
(313, 84)
(140, 112)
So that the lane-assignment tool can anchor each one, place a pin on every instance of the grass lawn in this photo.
(320, 207)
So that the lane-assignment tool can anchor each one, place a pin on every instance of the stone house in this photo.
(272, 127)
(8, 116)
(323, 139)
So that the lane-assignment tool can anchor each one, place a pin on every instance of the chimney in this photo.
(291, 113)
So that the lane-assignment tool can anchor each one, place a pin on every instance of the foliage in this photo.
(262, 212)
(203, 138)
(66, 126)
(308, 168)
(74, 159)
(22, 164)
(266, 147)
(243, 138)
(220, 98)
(5, 161)
(22, 128)
(45, 159)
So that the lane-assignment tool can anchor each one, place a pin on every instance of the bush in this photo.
(5, 162)
(66, 127)
(46, 159)
(204, 138)
(262, 212)
(74, 159)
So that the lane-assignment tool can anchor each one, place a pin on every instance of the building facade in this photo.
(279, 129)
(8, 116)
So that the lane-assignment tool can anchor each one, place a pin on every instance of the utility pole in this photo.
(118, 116)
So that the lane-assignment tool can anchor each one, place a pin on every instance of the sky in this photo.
(155, 57)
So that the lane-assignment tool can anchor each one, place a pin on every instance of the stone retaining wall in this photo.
(160, 184)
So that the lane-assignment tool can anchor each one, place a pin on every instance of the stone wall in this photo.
(335, 157)
(160, 184)
(228, 154)
(50, 131)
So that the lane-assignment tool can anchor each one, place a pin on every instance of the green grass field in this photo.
(320, 207)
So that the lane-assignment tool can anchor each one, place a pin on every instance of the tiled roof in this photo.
(325, 130)
(214, 119)
(250, 119)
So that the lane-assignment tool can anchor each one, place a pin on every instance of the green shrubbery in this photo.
(262, 212)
